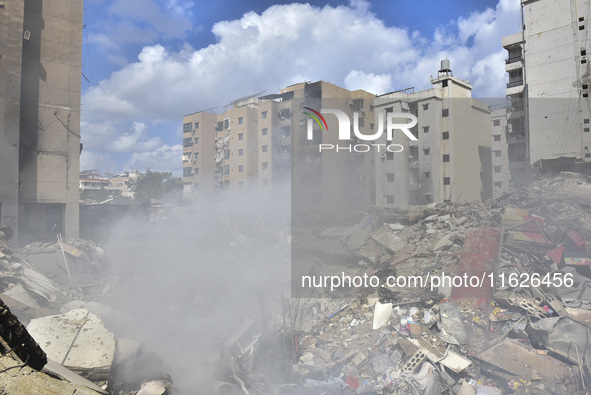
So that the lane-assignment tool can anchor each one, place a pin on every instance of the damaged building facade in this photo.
(547, 63)
(250, 146)
(451, 156)
(40, 116)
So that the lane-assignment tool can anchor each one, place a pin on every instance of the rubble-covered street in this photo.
(95, 323)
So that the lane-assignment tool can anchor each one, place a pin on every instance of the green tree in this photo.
(155, 185)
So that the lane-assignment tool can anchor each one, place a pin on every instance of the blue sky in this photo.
(146, 63)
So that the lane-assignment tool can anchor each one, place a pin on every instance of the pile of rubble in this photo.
(69, 343)
(523, 325)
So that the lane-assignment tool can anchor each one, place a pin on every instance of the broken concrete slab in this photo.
(388, 239)
(361, 232)
(64, 373)
(524, 362)
(20, 294)
(77, 340)
(38, 283)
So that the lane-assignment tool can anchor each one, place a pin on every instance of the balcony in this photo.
(512, 40)
(514, 83)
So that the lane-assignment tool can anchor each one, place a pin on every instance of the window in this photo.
(226, 169)
(227, 184)
(265, 182)
(586, 120)
(446, 180)
(444, 83)
(264, 115)
(371, 125)
(226, 154)
(497, 137)
(497, 122)
(196, 170)
(497, 169)
(582, 27)
(240, 121)
(196, 125)
(498, 184)
(361, 121)
(264, 131)
(581, 19)
(389, 199)
(425, 107)
(240, 168)
(446, 158)
(427, 174)
(497, 154)
(187, 172)
(585, 95)
(586, 130)
(426, 151)
(187, 127)
(240, 152)
(428, 198)
(583, 52)
(390, 156)
(187, 142)
(196, 140)
(240, 136)
(241, 184)
(196, 154)
(583, 61)
(227, 123)
(425, 129)
(446, 135)
(390, 177)
(445, 112)
(265, 164)
(585, 86)
(264, 148)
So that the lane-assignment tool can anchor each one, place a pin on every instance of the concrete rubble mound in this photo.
(514, 315)
(60, 343)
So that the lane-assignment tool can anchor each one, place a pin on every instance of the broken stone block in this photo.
(77, 340)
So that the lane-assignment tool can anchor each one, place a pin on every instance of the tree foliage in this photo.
(155, 185)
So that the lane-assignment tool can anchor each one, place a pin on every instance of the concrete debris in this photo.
(500, 298)
(77, 340)
(83, 356)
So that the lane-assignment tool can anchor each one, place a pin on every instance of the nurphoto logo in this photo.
(392, 123)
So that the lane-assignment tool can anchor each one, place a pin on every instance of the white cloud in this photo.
(286, 44)
(375, 83)
(135, 141)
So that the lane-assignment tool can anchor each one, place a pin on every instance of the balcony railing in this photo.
(514, 83)
(513, 59)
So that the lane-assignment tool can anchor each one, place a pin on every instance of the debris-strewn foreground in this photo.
(68, 345)
(523, 327)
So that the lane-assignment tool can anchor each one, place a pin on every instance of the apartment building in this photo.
(549, 76)
(501, 176)
(450, 160)
(40, 147)
(256, 141)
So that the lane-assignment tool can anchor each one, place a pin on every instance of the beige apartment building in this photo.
(451, 158)
(255, 142)
(40, 147)
(548, 66)
(501, 176)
